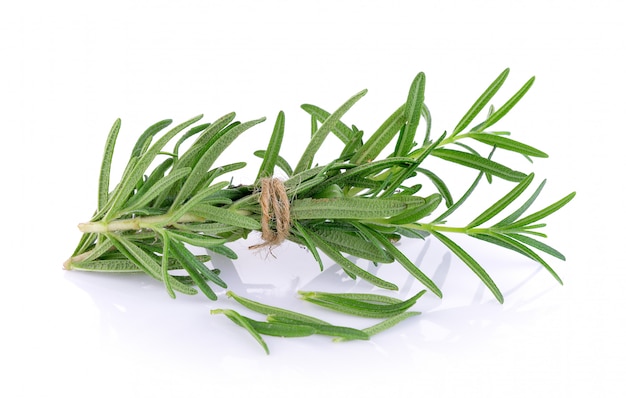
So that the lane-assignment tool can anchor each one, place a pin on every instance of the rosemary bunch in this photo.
(170, 198)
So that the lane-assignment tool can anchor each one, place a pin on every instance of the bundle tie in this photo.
(274, 207)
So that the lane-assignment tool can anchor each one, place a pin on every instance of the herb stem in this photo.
(135, 223)
(68, 264)
(443, 228)
(453, 139)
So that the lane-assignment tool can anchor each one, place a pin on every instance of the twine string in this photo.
(274, 210)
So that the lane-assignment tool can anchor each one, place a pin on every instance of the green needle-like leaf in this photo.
(105, 169)
(481, 102)
(205, 140)
(271, 310)
(157, 174)
(207, 159)
(543, 213)
(527, 240)
(343, 132)
(520, 248)
(320, 135)
(404, 261)
(198, 240)
(165, 261)
(461, 200)
(389, 323)
(143, 143)
(280, 162)
(364, 170)
(507, 144)
(145, 262)
(243, 322)
(225, 216)
(365, 297)
(190, 133)
(129, 181)
(345, 208)
(517, 213)
(327, 330)
(349, 266)
(363, 308)
(163, 184)
(381, 138)
(308, 242)
(194, 204)
(185, 257)
(471, 263)
(117, 266)
(206, 228)
(504, 109)
(417, 213)
(428, 119)
(271, 154)
(501, 204)
(137, 255)
(400, 177)
(479, 163)
(412, 114)
(353, 145)
(101, 248)
(224, 251)
(354, 245)
(190, 264)
(279, 329)
(439, 184)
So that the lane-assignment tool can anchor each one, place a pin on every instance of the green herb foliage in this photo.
(357, 205)
(280, 322)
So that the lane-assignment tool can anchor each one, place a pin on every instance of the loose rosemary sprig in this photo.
(285, 323)
(172, 195)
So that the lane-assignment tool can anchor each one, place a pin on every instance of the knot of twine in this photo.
(274, 209)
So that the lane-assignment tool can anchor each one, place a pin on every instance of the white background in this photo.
(69, 68)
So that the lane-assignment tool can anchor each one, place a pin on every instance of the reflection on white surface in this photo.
(136, 313)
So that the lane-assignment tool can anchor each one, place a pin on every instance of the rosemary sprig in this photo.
(285, 323)
(359, 204)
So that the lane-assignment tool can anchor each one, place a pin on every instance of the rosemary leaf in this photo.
(345, 208)
(386, 324)
(381, 138)
(501, 204)
(206, 161)
(129, 181)
(270, 157)
(481, 102)
(343, 132)
(105, 168)
(412, 114)
(479, 163)
(243, 322)
(320, 135)
(348, 266)
(270, 310)
(508, 144)
(504, 109)
(117, 265)
(327, 330)
(543, 213)
(472, 264)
